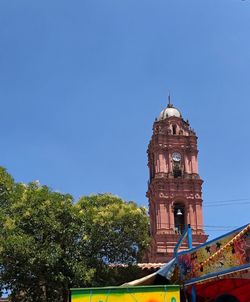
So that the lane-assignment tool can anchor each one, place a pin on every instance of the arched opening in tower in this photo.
(174, 129)
(179, 218)
(177, 169)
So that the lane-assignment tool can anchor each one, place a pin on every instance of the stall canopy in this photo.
(217, 267)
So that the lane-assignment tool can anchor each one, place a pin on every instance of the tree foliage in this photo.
(116, 233)
(48, 243)
(41, 248)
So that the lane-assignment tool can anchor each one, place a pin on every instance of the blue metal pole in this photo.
(180, 241)
(190, 245)
(190, 240)
(193, 294)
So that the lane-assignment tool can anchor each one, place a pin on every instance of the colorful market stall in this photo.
(220, 267)
(161, 293)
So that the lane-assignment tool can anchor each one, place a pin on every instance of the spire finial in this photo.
(169, 103)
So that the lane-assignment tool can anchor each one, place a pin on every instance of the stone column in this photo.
(163, 213)
(199, 215)
(197, 168)
(158, 217)
(186, 163)
(169, 161)
(192, 215)
(171, 216)
(157, 163)
(162, 163)
(194, 167)
(166, 157)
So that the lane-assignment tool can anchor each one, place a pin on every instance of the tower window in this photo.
(179, 218)
(177, 169)
(174, 129)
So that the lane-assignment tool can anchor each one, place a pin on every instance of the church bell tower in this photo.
(174, 187)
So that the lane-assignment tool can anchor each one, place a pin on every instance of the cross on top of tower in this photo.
(169, 103)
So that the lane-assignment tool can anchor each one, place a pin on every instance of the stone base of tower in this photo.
(162, 247)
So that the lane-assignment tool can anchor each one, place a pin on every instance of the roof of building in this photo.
(143, 266)
(150, 266)
(169, 112)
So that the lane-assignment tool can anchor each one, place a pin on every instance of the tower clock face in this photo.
(176, 156)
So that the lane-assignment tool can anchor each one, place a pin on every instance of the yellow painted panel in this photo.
(127, 295)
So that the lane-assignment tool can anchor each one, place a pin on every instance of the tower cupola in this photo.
(169, 112)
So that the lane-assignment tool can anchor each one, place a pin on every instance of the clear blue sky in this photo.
(82, 81)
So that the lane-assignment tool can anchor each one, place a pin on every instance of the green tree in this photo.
(6, 190)
(116, 233)
(42, 252)
(49, 244)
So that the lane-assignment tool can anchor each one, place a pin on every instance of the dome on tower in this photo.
(168, 112)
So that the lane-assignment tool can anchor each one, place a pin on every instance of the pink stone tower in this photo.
(174, 187)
